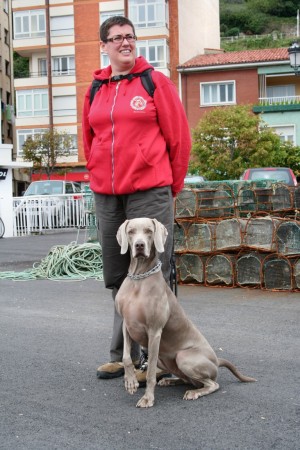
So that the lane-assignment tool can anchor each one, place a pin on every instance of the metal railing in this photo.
(285, 100)
(34, 214)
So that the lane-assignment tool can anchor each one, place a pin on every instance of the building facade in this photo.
(262, 79)
(60, 38)
(6, 74)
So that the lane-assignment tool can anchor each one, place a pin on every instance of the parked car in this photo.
(50, 203)
(283, 174)
(51, 187)
(193, 180)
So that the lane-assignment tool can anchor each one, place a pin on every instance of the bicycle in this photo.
(2, 228)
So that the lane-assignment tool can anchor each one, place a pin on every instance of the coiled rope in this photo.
(64, 262)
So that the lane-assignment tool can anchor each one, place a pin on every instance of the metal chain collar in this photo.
(141, 276)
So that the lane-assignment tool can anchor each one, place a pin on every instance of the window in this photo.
(74, 143)
(148, 13)
(155, 51)
(219, 93)
(285, 132)
(104, 60)
(288, 90)
(63, 65)
(32, 103)
(22, 135)
(6, 36)
(107, 14)
(62, 26)
(64, 105)
(42, 65)
(7, 68)
(29, 24)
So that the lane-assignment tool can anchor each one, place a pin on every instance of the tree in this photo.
(21, 66)
(230, 139)
(46, 149)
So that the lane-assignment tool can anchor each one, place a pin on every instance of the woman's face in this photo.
(121, 54)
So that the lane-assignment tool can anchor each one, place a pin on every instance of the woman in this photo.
(137, 149)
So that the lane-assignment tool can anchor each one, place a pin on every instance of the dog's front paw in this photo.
(131, 384)
(145, 402)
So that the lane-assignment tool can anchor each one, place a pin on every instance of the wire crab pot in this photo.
(277, 273)
(190, 268)
(249, 269)
(287, 237)
(215, 202)
(228, 234)
(220, 270)
(260, 233)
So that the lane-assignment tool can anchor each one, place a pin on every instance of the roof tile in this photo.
(245, 56)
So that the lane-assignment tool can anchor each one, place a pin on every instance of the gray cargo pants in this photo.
(111, 212)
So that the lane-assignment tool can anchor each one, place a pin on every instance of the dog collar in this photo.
(141, 276)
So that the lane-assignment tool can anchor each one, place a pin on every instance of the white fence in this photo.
(34, 214)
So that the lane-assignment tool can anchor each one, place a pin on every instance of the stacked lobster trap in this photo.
(239, 234)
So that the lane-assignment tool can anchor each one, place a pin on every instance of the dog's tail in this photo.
(233, 369)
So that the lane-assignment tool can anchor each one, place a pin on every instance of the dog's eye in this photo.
(148, 231)
(131, 231)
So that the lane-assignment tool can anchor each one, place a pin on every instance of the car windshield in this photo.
(278, 175)
(45, 188)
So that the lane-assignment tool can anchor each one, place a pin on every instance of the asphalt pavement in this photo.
(54, 334)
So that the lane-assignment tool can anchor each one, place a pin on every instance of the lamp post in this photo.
(294, 54)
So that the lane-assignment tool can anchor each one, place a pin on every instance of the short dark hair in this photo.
(110, 22)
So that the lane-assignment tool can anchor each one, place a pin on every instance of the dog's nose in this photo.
(139, 245)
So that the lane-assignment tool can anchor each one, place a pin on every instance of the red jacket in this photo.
(138, 142)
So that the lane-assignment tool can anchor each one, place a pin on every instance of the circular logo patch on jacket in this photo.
(138, 103)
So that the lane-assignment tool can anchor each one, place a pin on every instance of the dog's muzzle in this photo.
(140, 249)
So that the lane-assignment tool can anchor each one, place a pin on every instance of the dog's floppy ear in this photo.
(122, 237)
(160, 236)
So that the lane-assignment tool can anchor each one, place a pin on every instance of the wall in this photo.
(246, 89)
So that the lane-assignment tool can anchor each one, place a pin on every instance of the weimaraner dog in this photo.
(153, 317)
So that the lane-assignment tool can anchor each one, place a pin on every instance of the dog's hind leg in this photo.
(131, 383)
(209, 386)
(200, 370)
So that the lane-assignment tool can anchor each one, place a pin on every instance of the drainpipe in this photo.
(126, 8)
(49, 65)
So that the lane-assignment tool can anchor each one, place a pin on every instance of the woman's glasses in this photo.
(119, 38)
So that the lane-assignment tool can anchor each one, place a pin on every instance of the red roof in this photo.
(241, 57)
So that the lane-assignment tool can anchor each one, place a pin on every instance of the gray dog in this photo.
(153, 317)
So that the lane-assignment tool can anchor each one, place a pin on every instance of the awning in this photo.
(69, 176)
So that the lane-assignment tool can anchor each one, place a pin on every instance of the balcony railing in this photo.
(55, 73)
(277, 104)
(291, 100)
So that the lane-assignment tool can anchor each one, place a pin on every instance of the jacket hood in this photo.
(140, 65)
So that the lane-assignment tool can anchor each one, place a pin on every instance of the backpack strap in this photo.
(147, 82)
(146, 79)
(96, 85)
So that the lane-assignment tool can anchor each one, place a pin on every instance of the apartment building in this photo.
(6, 78)
(60, 38)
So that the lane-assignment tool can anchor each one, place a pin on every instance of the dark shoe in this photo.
(110, 370)
(141, 371)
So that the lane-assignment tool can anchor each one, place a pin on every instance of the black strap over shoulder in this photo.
(146, 80)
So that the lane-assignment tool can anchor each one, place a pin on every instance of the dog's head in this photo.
(140, 235)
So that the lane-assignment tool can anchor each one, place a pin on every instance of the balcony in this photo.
(38, 79)
(274, 104)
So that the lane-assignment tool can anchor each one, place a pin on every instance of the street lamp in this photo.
(294, 54)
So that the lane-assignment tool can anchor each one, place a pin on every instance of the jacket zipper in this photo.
(113, 140)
